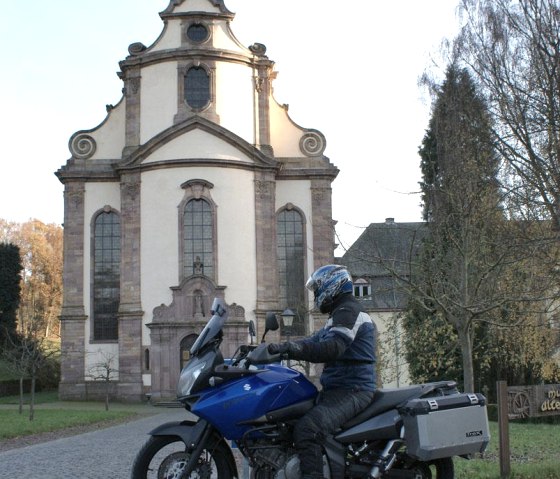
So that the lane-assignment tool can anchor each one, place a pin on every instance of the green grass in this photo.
(13, 424)
(40, 398)
(50, 414)
(535, 454)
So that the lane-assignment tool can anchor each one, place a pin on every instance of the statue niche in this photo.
(192, 301)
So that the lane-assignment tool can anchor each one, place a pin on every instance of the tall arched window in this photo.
(197, 87)
(198, 238)
(106, 275)
(291, 274)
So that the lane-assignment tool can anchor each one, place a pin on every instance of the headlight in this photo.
(188, 378)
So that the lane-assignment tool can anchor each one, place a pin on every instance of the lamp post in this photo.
(288, 320)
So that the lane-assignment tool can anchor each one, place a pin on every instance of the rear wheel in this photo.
(165, 457)
(436, 469)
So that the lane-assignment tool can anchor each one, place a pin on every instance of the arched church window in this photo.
(106, 275)
(198, 238)
(290, 249)
(197, 87)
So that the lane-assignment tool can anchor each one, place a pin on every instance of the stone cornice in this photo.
(150, 58)
(217, 3)
(88, 170)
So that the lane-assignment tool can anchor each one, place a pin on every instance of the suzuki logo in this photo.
(247, 387)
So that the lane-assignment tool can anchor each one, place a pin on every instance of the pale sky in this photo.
(347, 68)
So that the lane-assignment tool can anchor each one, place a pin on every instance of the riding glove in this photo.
(290, 348)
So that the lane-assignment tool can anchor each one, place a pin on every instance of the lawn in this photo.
(51, 414)
(535, 454)
(13, 424)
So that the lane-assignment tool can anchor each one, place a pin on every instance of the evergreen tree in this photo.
(461, 204)
(10, 288)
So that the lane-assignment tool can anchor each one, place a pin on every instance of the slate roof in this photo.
(381, 253)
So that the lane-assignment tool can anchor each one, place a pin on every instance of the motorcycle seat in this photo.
(385, 399)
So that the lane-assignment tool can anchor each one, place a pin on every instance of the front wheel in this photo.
(436, 469)
(165, 457)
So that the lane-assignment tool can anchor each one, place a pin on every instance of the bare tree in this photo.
(106, 371)
(513, 49)
(28, 352)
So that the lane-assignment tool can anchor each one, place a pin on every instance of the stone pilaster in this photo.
(263, 94)
(130, 308)
(323, 230)
(73, 317)
(265, 232)
(132, 90)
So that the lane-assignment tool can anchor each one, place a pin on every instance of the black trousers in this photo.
(333, 409)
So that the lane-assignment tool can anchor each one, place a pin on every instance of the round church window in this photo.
(197, 32)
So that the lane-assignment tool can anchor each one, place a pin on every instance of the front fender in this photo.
(189, 431)
(192, 433)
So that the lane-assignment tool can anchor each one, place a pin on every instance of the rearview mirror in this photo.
(270, 324)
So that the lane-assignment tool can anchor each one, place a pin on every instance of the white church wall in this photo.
(109, 135)
(169, 38)
(158, 99)
(285, 134)
(161, 196)
(235, 102)
(197, 144)
(234, 195)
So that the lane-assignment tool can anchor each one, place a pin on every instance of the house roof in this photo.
(381, 253)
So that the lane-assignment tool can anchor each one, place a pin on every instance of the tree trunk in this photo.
(32, 400)
(21, 395)
(465, 341)
(107, 386)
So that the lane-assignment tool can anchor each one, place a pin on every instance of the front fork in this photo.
(197, 436)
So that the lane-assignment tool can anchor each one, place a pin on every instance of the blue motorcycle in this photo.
(251, 402)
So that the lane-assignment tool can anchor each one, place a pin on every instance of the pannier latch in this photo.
(433, 404)
(473, 398)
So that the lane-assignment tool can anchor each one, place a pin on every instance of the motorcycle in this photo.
(251, 402)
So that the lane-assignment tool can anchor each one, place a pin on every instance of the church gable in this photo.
(198, 140)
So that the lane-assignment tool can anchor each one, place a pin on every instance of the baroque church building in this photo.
(197, 185)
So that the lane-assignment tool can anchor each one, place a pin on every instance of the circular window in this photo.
(197, 32)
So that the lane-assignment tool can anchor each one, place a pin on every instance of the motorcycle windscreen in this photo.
(213, 327)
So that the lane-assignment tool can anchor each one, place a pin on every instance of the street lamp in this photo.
(288, 320)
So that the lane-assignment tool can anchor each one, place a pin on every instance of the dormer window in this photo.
(362, 288)
(197, 87)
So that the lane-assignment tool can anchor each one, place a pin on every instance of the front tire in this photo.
(165, 457)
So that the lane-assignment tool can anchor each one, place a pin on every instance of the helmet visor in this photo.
(311, 284)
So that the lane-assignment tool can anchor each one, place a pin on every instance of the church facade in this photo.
(197, 185)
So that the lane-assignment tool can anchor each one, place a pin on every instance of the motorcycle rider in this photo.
(346, 344)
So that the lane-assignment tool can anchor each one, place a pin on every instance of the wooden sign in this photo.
(533, 401)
